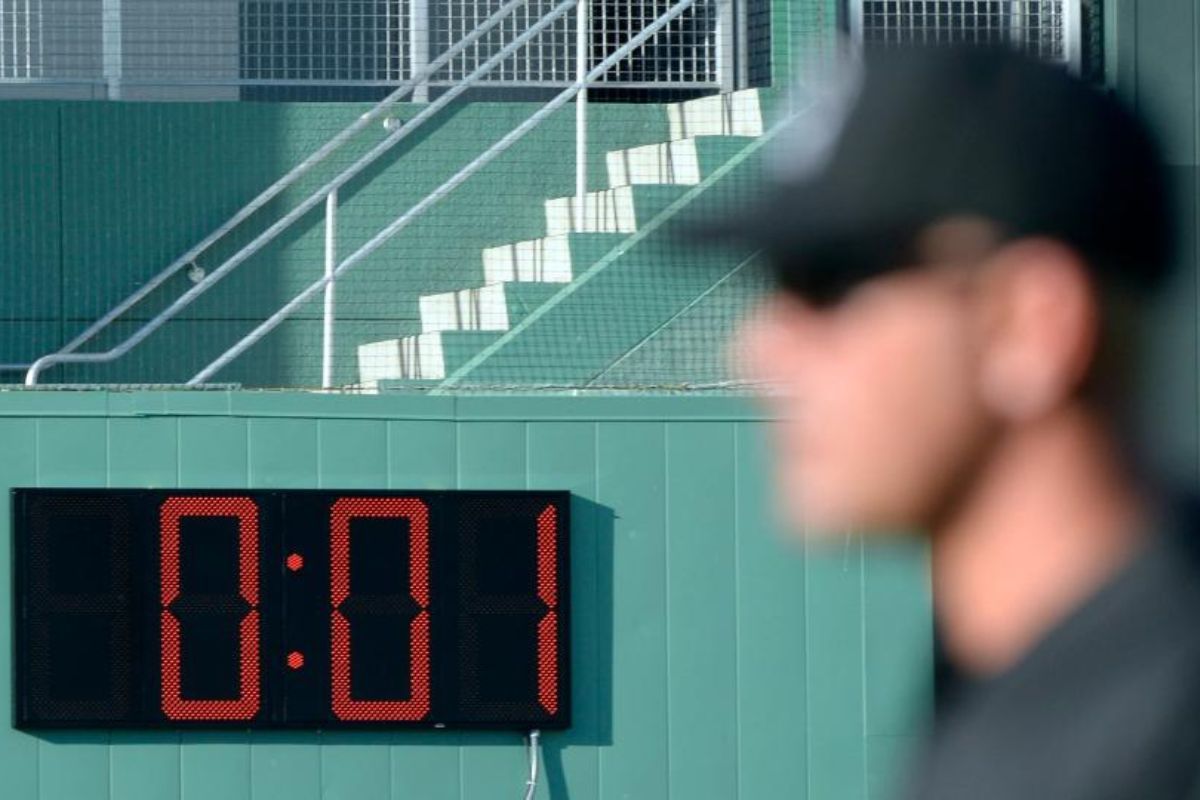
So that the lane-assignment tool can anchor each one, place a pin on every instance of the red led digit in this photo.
(547, 587)
(417, 514)
(246, 704)
(492, 611)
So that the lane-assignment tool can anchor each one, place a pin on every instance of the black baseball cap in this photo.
(915, 136)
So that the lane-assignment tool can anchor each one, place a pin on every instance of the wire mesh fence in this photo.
(441, 243)
(1047, 29)
(225, 49)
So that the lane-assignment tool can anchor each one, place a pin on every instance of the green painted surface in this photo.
(618, 319)
(1152, 61)
(714, 656)
(101, 196)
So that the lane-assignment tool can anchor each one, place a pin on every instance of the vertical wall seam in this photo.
(735, 428)
(248, 423)
(108, 451)
(862, 659)
(808, 733)
(457, 485)
(62, 233)
(390, 480)
(37, 480)
(318, 432)
(599, 618)
(666, 494)
(108, 482)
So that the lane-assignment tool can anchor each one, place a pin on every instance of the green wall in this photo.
(714, 657)
(98, 197)
(1152, 60)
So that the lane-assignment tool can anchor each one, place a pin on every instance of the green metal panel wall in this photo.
(712, 659)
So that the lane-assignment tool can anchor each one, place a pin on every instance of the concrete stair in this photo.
(681, 162)
(734, 114)
(491, 307)
(615, 210)
(426, 356)
(553, 259)
(521, 276)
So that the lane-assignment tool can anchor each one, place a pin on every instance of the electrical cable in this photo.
(531, 784)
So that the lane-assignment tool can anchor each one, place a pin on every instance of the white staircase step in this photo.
(410, 357)
(493, 307)
(425, 356)
(481, 308)
(676, 162)
(608, 211)
(734, 114)
(545, 259)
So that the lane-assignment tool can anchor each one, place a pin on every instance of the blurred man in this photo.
(966, 245)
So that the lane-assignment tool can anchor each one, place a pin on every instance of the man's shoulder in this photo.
(1107, 705)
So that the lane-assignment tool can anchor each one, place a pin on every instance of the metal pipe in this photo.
(856, 23)
(28, 39)
(726, 35)
(437, 194)
(742, 46)
(582, 48)
(316, 197)
(330, 263)
(287, 180)
(1073, 35)
(418, 38)
(110, 32)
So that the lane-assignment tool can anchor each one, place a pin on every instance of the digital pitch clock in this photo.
(291, 609)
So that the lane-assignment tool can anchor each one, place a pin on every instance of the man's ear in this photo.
(1039, 319)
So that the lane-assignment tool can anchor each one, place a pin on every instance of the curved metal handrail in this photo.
(437, 194)
(66, 353)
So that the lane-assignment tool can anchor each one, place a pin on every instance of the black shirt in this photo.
(1105, 706)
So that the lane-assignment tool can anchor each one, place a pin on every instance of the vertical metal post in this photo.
(582, 49)
(418, 45)
(856, 23)
(4, 73)
(726, 36)
(1073, 35)
(742, 51)
(330, 266)
(28, 40)
(388, 44)
(110, 32)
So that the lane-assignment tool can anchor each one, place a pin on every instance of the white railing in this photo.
(328, 194)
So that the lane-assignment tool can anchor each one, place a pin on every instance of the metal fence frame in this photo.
(586, 76)
(1050, 29)
(212, 49)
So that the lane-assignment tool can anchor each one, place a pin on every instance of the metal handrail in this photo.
(268, 194)
(437, 194)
